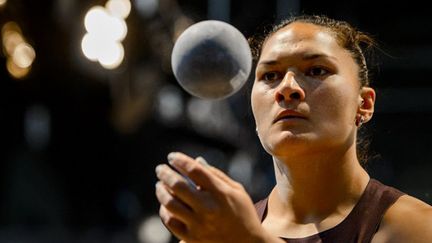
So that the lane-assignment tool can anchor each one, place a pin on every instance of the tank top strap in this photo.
(365, 219)
(261, 208)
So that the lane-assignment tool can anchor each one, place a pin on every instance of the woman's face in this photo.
(306, 92)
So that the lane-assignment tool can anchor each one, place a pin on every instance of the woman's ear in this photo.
(367, 103)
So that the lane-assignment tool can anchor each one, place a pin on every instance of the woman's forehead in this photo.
(297, 37)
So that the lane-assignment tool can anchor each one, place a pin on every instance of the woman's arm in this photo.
(215, 209)
(408, 220)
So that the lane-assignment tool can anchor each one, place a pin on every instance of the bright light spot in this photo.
(99, 22)
(15, 71)
(95, 18)
(105, 31)
(109, 53)
(23, 55)
(20, 55)
(147, 8)
(2, 3)
(11, 39)
(90, 46)
(9, 26)
(116, 29)
(152, 230)
(112, 55)
(119, 8)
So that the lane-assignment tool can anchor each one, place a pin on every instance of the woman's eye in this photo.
(317, 71)
(271, 76)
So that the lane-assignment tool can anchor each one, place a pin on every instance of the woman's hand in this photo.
(213, 208)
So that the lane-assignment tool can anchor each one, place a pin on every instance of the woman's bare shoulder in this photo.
(407, 220)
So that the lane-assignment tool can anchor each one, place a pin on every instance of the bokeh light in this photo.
(105, 31)
(147, 8)
(152, 230)
(23, 55)
(94, 18)
(90, 47)
(113, 55)
(99, 22)
(11, 37)
(170, 104)
(20, 55)
(16, 71)
(119, 8)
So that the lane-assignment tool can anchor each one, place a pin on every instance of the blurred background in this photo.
(89, 106)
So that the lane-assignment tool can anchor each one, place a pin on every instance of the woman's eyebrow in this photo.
(304, 56)
(268, 63)
(311, 56)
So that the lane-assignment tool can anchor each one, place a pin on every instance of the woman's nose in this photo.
(289, 89)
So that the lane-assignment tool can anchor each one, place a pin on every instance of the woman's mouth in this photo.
(288, 115)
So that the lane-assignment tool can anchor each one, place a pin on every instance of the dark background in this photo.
(79, 143)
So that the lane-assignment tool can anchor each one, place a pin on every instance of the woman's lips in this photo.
(287, 115)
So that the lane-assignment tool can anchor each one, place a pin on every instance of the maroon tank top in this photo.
(362, 222)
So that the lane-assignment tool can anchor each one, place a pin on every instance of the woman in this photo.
(309, 97)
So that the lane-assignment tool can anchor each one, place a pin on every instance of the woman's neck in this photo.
(310, 189)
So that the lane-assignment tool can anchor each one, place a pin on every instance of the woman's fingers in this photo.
(177, 228)
(173, 204)
(182, 189)
(221, 175)
(197, 172)
(215, 171)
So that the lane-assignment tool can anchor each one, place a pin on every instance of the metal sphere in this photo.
(211, 60)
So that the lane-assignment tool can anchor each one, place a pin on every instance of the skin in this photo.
(302, 74)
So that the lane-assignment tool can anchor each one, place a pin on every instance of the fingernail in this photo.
(157, 169)
(202, 161)
(171, 157)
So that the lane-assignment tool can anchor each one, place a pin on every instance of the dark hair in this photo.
(358, 43)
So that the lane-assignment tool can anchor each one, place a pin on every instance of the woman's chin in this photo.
(287, 144)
